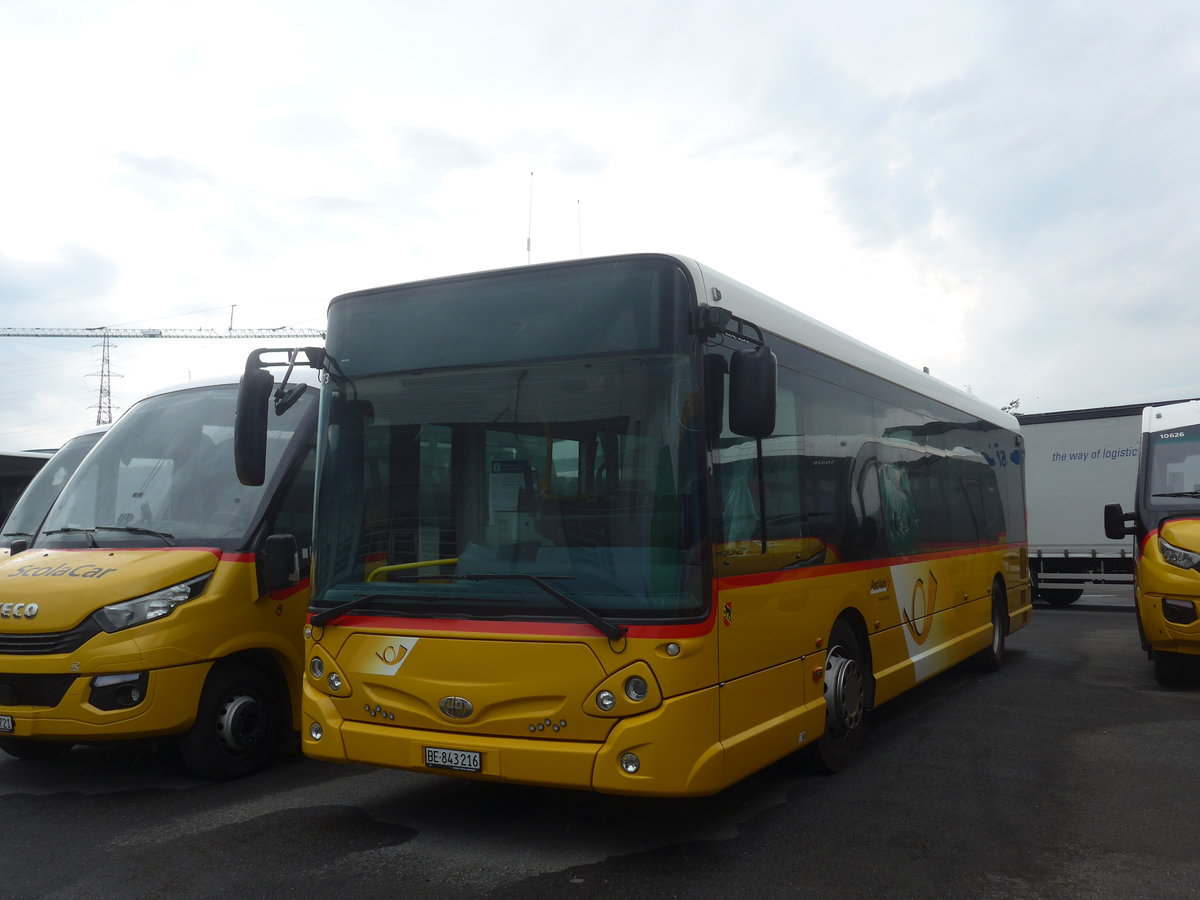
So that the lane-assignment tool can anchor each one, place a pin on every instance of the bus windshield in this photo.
(559, 441)
(27, 515)
(164, 476)
(1173, 470)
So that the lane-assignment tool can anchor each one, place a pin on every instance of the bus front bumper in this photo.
(147, 704)
(1170, 622)
(671, 751)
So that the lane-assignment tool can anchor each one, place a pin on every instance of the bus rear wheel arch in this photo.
(239, 722)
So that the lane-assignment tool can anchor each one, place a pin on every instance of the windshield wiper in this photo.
(609, 629)
(166, 538)
(1193, 494)
(342, 608)
(70, 529)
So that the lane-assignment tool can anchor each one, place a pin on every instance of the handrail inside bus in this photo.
(413, 565)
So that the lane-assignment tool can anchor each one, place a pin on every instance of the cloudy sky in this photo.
(1004, 192)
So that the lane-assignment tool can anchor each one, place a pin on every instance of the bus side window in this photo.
(902, 523)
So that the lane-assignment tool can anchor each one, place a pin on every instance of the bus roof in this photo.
(714, 288)
(788, 322)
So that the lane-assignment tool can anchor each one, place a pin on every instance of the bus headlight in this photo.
(636, 689)
(605, 700)
(128, 613)
(1176, 556)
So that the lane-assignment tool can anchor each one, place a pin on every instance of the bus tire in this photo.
(1168, 668)
(992, 656)
(238, 723)
(26, 748)
(845, 700)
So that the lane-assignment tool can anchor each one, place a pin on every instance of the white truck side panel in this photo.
(1072, 469)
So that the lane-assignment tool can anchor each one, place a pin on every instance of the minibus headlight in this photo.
(1176, 556)
(118, 616)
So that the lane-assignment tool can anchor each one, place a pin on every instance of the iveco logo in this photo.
(18, 610)
(456, 707)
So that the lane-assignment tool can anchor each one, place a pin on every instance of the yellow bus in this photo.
(626, 525)
(160, 596)
(41, 492)
(17, 469)
(1166, 523)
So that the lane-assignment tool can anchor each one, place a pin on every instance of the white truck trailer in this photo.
(1076, 461)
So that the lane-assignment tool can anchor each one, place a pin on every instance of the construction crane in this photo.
(104, 406)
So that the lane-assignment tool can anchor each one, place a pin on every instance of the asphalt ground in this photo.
(1067, 774)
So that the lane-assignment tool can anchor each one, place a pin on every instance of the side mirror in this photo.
(250, 426)
(20, 545)
(752, 380)
(1117, 523)
(278, 562)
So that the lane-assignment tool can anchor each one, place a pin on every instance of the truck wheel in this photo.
(238, 723)
(845, 701)
(1061, 598)
(992, 656)
(25, 748)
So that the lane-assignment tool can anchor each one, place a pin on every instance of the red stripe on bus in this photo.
(489, 626)
(777, 575)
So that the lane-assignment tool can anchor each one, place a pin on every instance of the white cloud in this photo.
(1001, 192)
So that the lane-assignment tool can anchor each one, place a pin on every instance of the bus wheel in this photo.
(24, 748)
(1168, 668)
(238, 723)
(993, 655)
(845, 700)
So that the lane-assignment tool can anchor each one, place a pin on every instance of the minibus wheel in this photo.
(1168, 668)
(845, 700)
(24, 748)
(237, 725)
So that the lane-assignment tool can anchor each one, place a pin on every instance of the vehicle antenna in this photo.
(529, 234)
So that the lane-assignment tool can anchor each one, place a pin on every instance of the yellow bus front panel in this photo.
(140, 681)
(1168, 597)
(533, 709)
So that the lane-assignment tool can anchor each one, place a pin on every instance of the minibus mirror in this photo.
(20, 545)
(752, 378)
(1116, 522)
(250, 426)
(278, 562)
